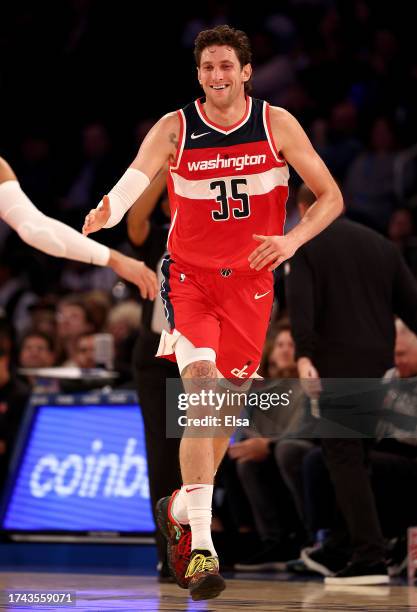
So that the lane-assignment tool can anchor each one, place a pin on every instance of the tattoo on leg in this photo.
(200, 369)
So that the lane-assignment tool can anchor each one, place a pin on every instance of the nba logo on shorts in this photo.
(225, 272)
(182, 277)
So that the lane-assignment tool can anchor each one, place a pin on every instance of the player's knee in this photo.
(6, 173)
(200, 375)
(200, 370)
(193, 362)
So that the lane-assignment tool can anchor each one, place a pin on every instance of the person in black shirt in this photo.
(343, 289)
(149, 240)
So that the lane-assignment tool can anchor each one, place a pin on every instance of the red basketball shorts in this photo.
(224, 310)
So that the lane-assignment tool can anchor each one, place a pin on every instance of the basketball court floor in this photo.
(108, 593)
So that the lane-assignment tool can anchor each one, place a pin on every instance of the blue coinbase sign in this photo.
(81, 467)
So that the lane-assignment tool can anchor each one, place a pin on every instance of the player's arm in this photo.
(158, 146)
(135, 272)
(298, 151)
(293, 143)
(138, 217)
(55, 238)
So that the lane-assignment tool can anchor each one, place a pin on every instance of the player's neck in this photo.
(227, 115)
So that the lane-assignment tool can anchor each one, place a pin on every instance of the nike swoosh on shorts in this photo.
(259, 296)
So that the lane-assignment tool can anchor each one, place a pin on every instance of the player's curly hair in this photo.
(225, 35)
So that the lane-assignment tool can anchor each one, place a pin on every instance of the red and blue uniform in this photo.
(226, 184)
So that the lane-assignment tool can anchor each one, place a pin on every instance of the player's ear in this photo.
(198, 75)
(246, 72)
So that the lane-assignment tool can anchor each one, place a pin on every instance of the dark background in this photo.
(72, 64)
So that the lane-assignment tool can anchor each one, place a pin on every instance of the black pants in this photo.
(347, 462)
(394, 483)
(162, 452)
(289, 456)
(350, 411)
(236, 505)
(319, 496)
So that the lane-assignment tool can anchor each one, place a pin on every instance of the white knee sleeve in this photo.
(187, 353)
(44, 233)
(125, 193)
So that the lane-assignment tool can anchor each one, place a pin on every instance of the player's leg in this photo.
(197, 460)
(189, 309)
(197, 453)
(239, 351)
(192, 505)
(185, 516)
(203, 447)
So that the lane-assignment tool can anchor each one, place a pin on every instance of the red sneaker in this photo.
(178, 537)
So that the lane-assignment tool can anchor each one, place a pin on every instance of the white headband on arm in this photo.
(125, 193)
(44, 233)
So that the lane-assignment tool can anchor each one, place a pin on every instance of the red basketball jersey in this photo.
(225, 185)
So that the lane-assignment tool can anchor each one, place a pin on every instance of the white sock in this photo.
(179, 507)
(199, 498)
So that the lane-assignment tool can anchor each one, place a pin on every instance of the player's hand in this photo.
(309, 378)
(253, 449)
(135, 272)
(272, 251)
(97, 217)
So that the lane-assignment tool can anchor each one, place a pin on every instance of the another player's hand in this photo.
(97, 217)
(135, 272)
(253, 449)
(272, 251)
(309, 378)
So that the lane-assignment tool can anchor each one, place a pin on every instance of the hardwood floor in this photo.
(108, 593)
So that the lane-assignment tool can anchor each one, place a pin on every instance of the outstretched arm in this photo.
(135, 272)
(293, 143)
(55, 238)
(157, 147)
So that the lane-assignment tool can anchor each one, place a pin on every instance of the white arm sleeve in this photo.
(125, 193)
(44, 233)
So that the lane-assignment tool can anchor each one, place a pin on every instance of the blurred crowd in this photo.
(83, 83)
(78, 97)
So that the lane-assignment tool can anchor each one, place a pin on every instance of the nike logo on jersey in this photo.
(193, 489)
(194, 135)
(258, 296)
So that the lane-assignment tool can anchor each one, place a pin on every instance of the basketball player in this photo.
(228, 186)
(56, 238)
